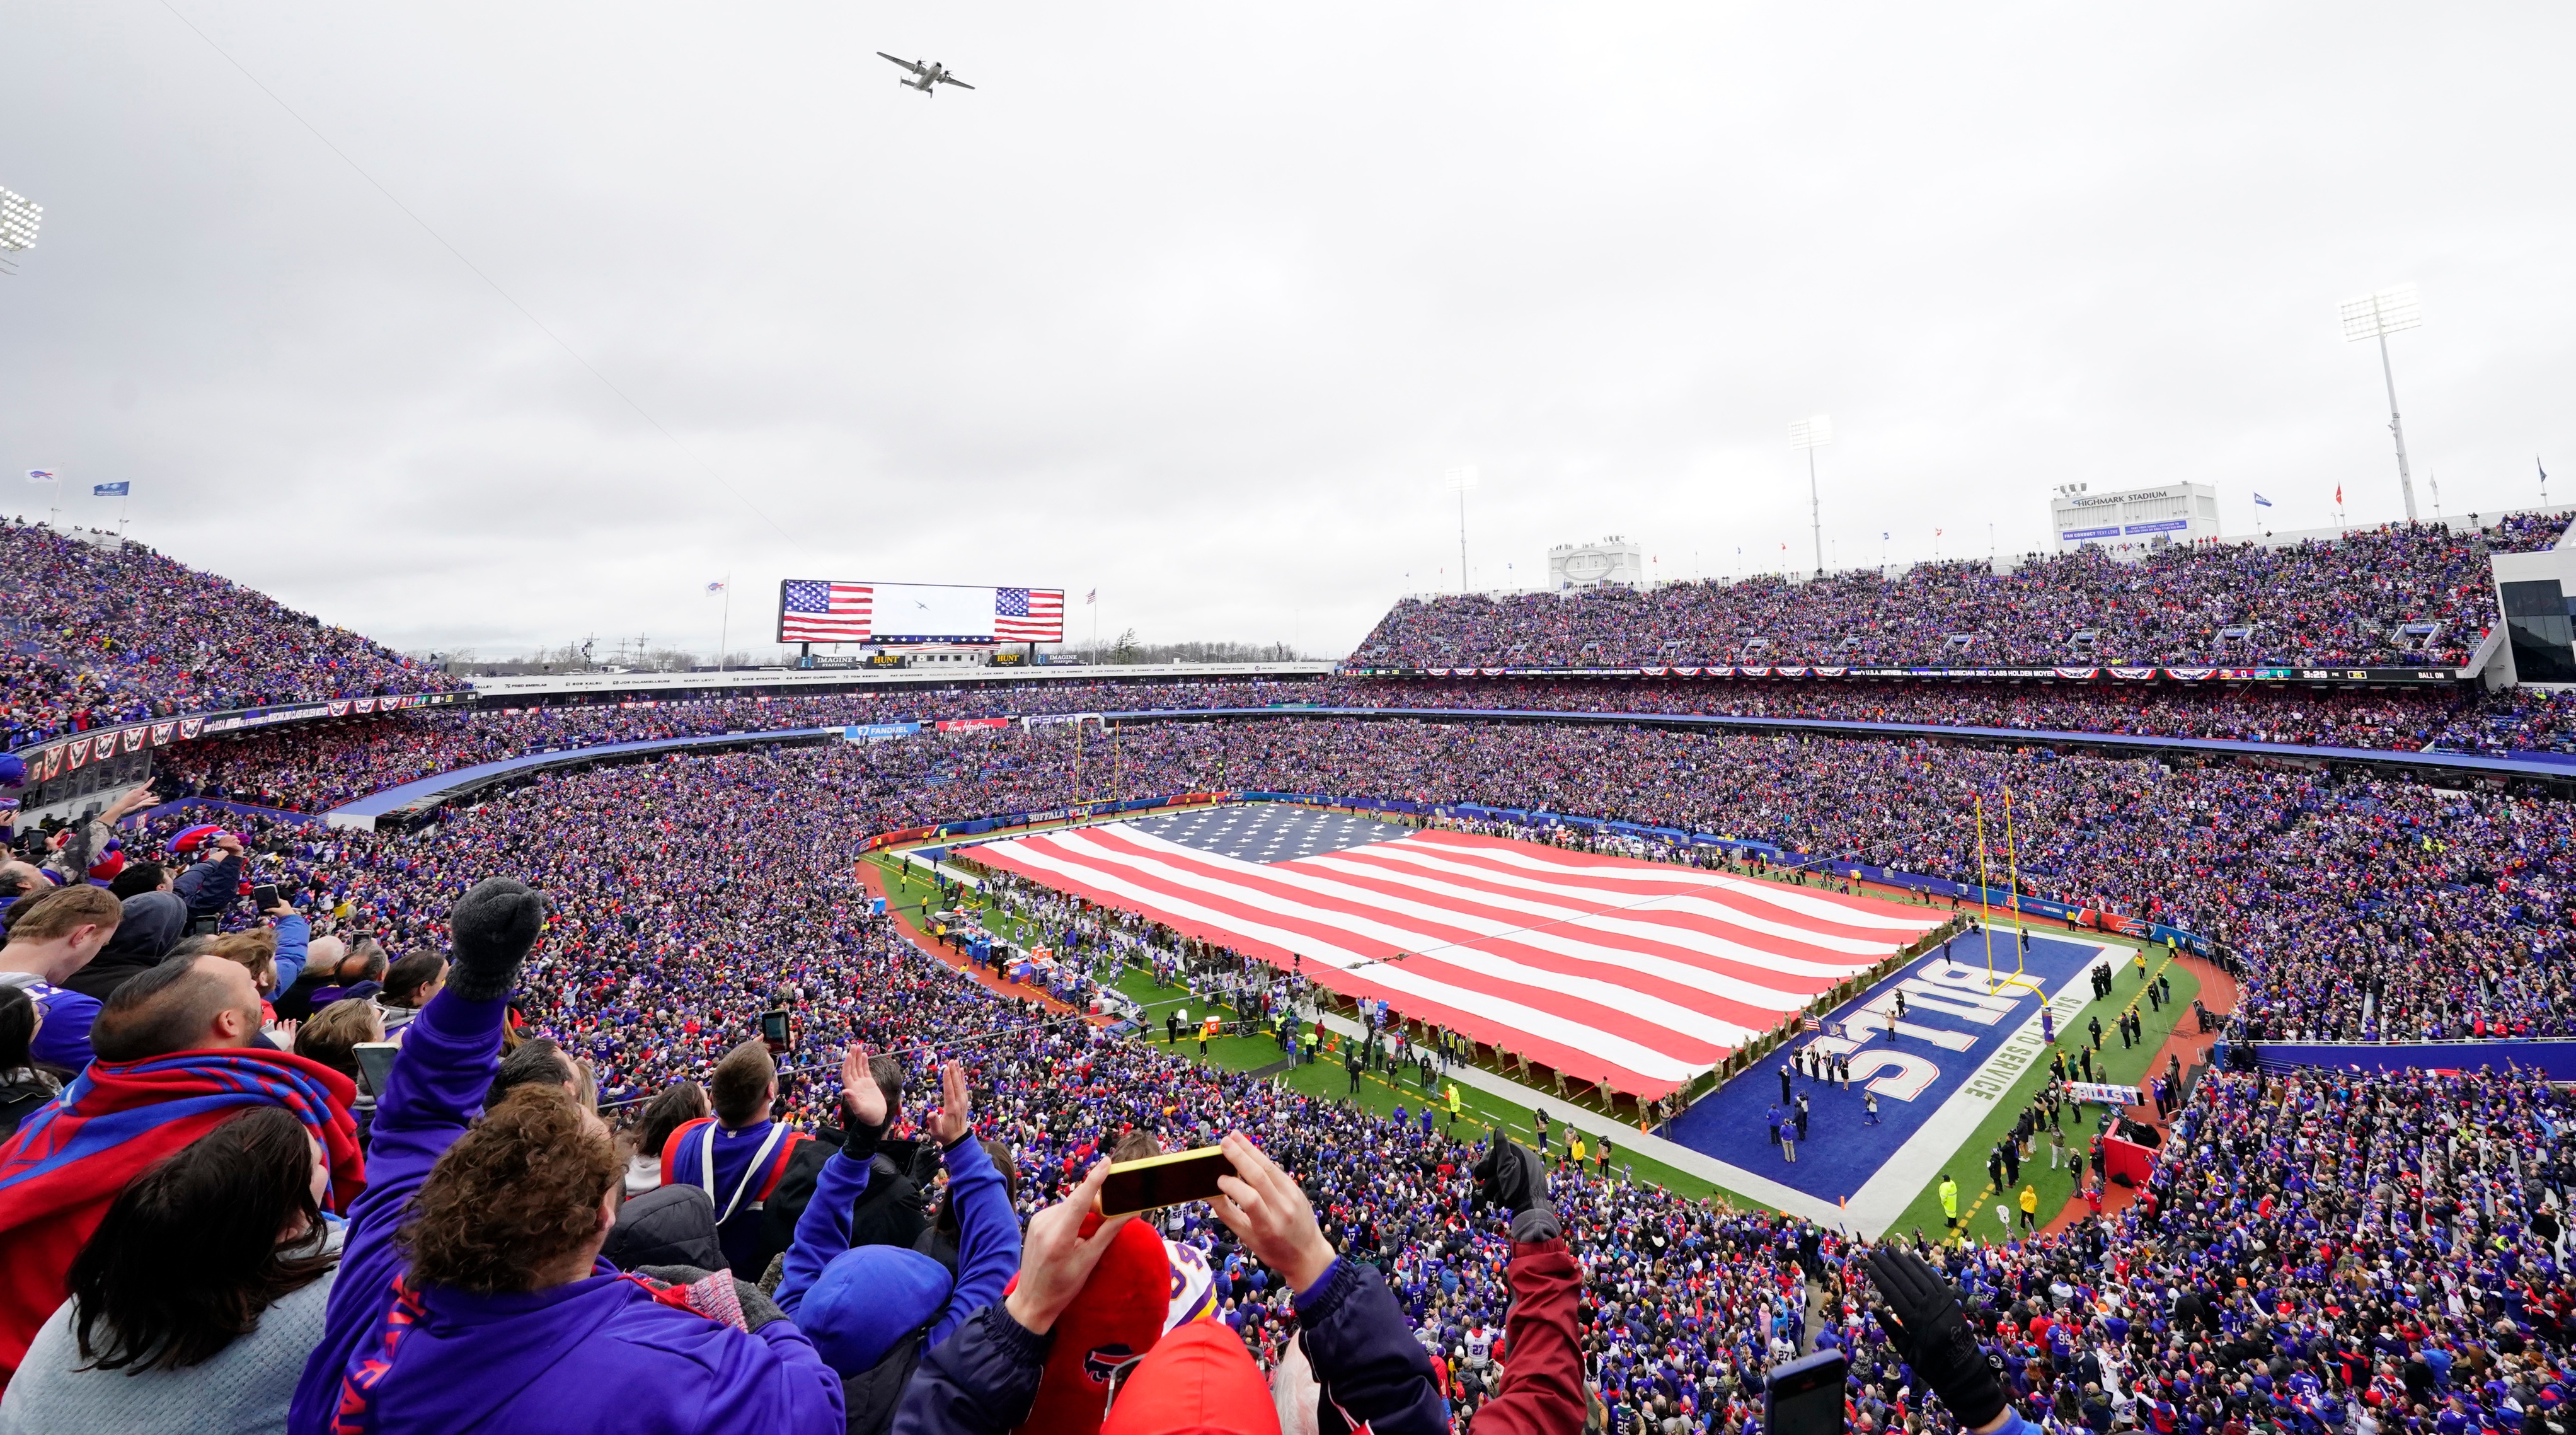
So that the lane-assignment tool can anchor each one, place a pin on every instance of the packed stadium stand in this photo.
(109, 631)
(2238, 604)
(204, 1182)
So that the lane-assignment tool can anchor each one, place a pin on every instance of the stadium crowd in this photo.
(311, 769)
(2436, 913)
(2343, 602)
(113, 632)
(2338, 1253)
(598, 1186)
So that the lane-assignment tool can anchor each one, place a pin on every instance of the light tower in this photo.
(1461, 481)
(19, 217)
(1812, 433)
(2376, 316)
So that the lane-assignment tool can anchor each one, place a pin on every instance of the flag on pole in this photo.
(117, 489)
(2338, 495)
(38, 475)
(2261, 502)
(1094, 595)
(715, 587)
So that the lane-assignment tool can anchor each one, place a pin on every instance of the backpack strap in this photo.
(671, 1152)
(778, 1167)
(777, 1135)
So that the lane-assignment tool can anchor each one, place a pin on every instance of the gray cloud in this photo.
(1195, 306)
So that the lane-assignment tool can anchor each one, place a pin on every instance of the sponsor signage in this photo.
(879, 731)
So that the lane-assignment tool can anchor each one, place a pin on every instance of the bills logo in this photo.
(1942, 1042)
(1102, 1363)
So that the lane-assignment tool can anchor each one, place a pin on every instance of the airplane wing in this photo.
(907, 64)
(953, 80)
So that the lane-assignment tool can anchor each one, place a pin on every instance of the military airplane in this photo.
(925, 76)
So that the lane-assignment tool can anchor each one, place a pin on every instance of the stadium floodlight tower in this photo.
(19, 217)
(2376, 316)
(1812, 433)
(1461, 481)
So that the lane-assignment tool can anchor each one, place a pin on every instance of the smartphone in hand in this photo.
(263, 896)
(1805, 1396)
(1157, 1181)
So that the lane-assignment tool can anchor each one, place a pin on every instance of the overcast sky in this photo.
(1194, 304)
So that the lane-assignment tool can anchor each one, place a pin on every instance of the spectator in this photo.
(50, 940)
(23, 1085)
(197, 1298)
(150, 924)
(211, 885)
(171, 1066)
(481, 1240)
(872, 1311)
(1368, 1364)
(680, 1103)
(332, 1039)
(737, 1156)
(409, 984)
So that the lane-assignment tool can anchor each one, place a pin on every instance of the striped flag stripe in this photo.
(1771, 898)
(1663, 993)
(1679, 920)
(1264, 890)
(1703, 963)
(1540, 1035)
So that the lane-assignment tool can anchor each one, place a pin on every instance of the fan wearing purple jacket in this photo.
(471, 1295)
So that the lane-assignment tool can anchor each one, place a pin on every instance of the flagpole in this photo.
(724, 625)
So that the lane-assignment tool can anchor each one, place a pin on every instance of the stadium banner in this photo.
(972, 724)
(2551, 1058)
(879, 731)
(49, 758)
(2101, 1093)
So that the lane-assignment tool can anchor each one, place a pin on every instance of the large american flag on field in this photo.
(811, 610)
(1028, 615)
(1635, 975)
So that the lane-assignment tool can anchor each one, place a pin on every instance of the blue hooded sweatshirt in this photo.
(595, 1355)
(857, 1304)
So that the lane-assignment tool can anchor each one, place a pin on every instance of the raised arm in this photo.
(988, 1233)
(823, 1231)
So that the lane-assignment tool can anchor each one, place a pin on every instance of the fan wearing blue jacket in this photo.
(873, 1310)
(471, 1296)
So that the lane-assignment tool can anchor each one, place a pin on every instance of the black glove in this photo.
(1509, 1175)
(1930, 1329)
(490, 930)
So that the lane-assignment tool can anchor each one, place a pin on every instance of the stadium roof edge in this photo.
(543, 685)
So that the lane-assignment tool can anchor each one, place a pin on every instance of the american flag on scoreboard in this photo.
(1028, 615)
(1636, 975)
(811, 610)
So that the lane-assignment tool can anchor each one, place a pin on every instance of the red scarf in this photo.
(71, 1158)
